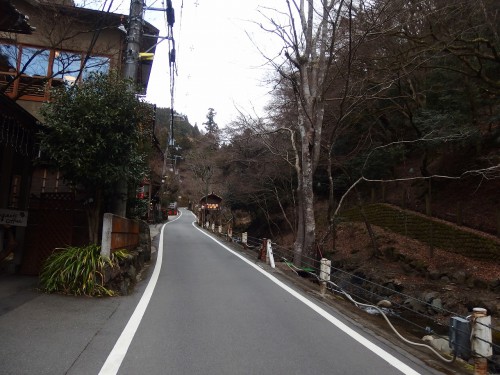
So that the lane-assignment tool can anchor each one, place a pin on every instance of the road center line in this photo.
(389, 358)
(115, 358)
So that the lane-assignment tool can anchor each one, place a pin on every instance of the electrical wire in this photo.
(95, 36)
(357, 304)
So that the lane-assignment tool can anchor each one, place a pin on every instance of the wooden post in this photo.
(263, 251)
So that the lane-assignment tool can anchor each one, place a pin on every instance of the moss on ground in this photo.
(427, 230)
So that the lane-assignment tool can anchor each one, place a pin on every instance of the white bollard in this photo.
(481, 340)
(325, 269)
(270, 255)
(107, 228)
(244, 238)
(324, 274)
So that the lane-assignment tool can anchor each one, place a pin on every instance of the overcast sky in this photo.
(217, 64)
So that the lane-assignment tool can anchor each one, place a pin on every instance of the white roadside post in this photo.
(244, 238)
(107, 228)
(481, 340)
(324, 275)
(270, 255)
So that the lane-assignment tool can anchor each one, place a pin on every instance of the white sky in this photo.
(217, 64)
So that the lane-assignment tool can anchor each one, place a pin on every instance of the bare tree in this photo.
(309, 39)
(258, 171)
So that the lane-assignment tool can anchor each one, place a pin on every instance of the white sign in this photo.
(13, 217)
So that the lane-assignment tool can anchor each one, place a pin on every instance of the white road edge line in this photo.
(389, 358)
(115, 358)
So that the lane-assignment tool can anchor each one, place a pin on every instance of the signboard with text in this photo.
(13, 217)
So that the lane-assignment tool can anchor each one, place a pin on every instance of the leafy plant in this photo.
(137, 208)
(96, 134)
(79, 271)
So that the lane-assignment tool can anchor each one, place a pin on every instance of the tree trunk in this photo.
(331, 201)
(306, 236)
(298, 245)
(369, 228)
(309, 216)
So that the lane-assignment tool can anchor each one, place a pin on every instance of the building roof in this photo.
(211, 197)
(11, 108)
(91, 16)
(13, 21)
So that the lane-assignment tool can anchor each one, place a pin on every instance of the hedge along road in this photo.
(210, 310)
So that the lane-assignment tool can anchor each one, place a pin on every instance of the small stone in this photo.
(415, 305)
(132, 272)
(428, 297)
(384, 303)
(495, 285)
(460, 277)
(437, 305)
(440, 344)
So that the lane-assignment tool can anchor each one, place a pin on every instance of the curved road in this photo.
(208, 310)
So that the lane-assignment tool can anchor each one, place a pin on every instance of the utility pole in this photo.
(134, 35)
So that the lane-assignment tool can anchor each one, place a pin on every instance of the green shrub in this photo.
(78, 271)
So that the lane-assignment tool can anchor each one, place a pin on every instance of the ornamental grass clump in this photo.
(79, 271)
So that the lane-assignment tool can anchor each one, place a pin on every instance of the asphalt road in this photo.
(202, 309)
(212, 312)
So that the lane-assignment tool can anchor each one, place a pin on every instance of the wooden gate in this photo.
(55, 220)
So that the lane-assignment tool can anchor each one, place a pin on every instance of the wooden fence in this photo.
(118, 233)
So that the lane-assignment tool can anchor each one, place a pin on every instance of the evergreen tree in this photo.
(94, 135)
(211, 125)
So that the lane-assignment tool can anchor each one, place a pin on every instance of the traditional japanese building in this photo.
(43, 45)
